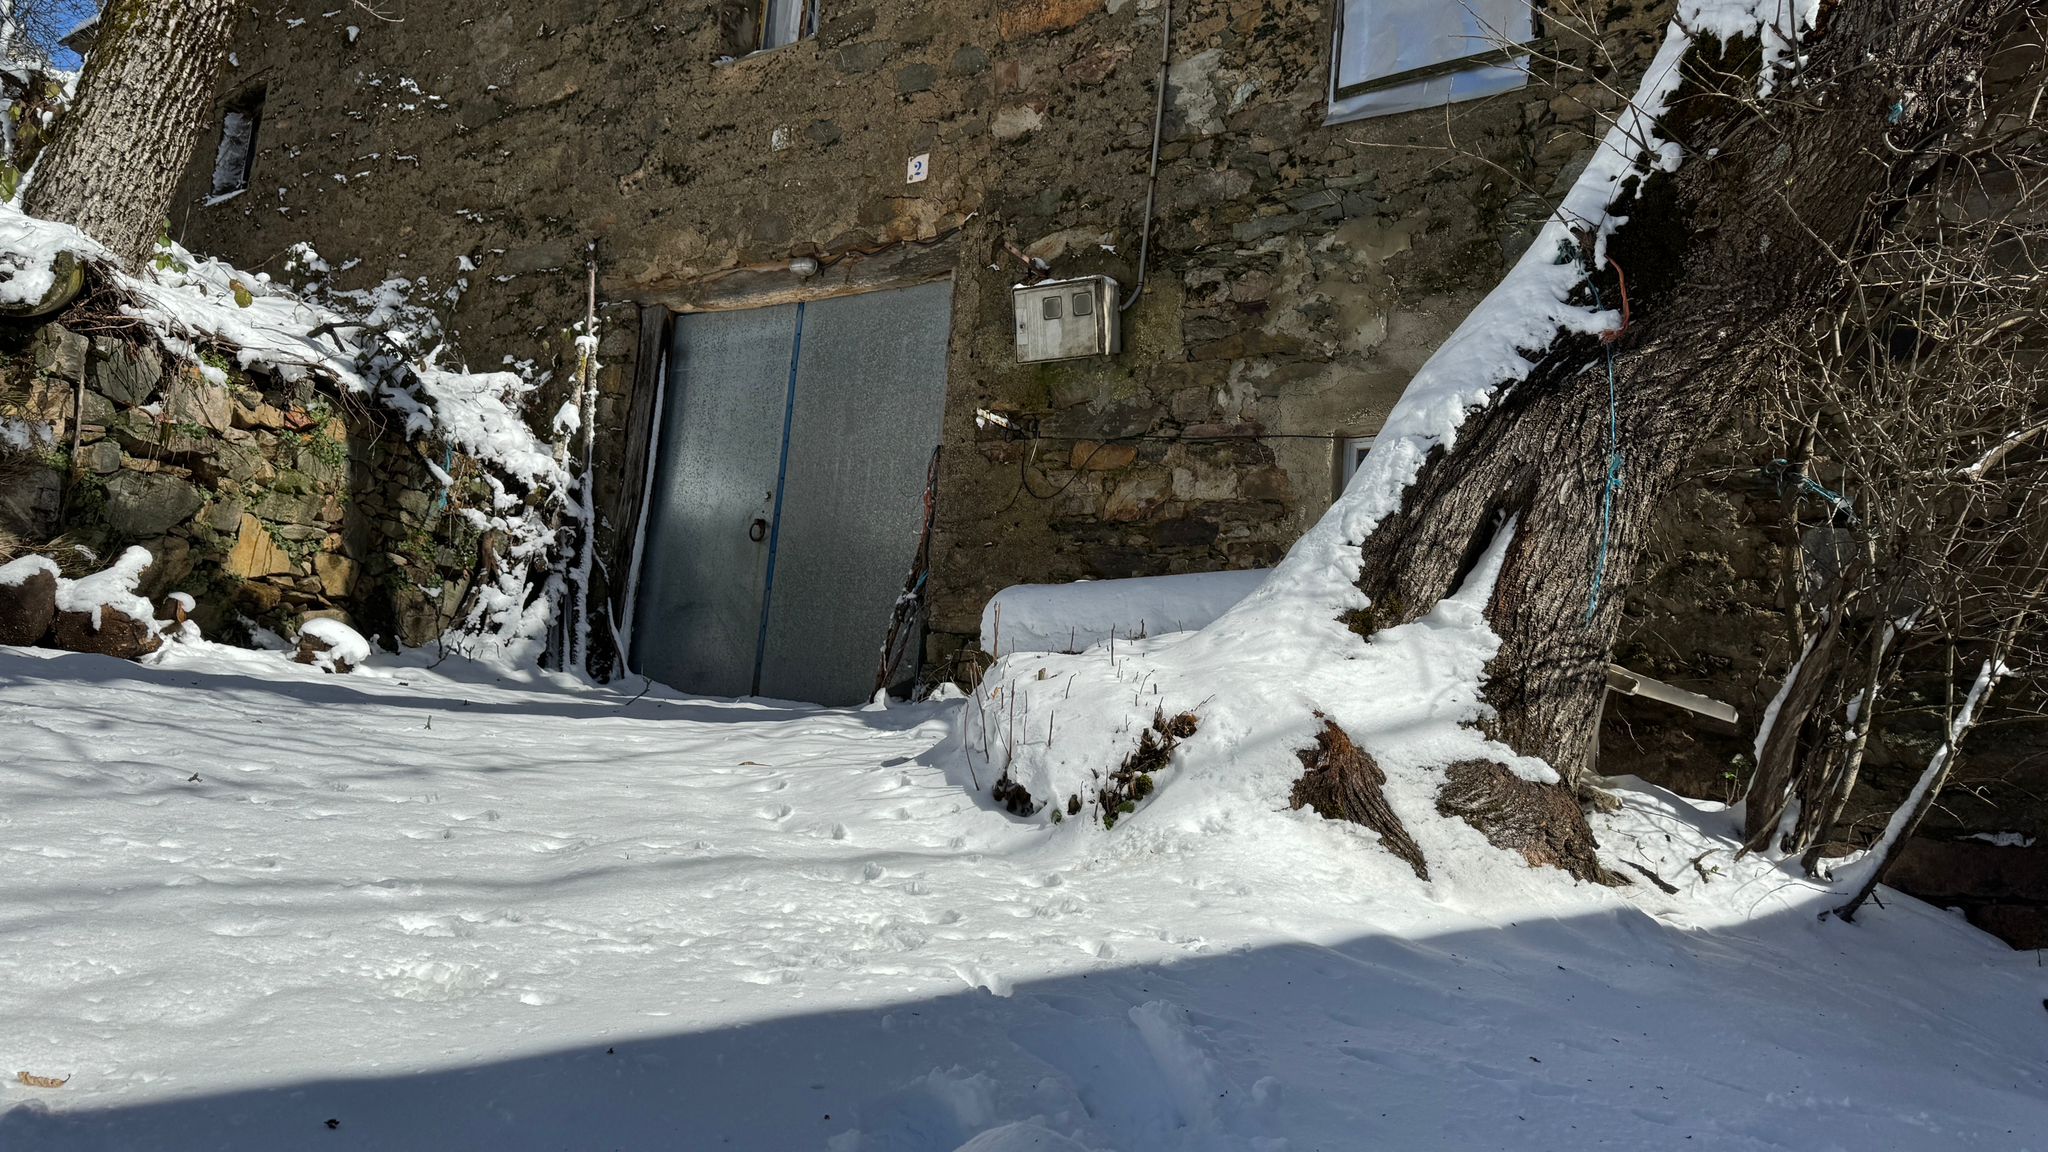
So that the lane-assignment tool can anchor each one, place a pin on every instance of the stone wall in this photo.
(1299, 275)
(268, 502)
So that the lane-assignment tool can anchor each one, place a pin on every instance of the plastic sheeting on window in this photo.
(785, 22)
(1382, 38)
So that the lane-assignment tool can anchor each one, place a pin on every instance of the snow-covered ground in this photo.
(243, 899)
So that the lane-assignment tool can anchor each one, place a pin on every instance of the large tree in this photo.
(1729, 260)
(1719, 225)
(117, 156)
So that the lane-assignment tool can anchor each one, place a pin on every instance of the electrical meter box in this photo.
(1068, 319)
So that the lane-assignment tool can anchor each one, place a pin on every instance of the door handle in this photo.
(757, 531)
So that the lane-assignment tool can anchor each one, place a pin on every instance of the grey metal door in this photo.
(870, 388)
(697, 607)
(789, 493)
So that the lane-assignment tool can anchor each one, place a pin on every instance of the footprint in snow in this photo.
(552, 846)
(1488, 1071)
(418, 924)
(247, 928)
(765, 978)
(433, 980)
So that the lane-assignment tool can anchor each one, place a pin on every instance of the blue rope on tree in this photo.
(1840, 503)
(447, 469)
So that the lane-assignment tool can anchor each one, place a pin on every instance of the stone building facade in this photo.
(1299, 271)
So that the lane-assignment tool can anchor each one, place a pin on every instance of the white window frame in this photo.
(1479, 66)
(1354, 449)
(784, 22)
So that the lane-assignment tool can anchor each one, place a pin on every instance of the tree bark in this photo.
(118, 154)
(1777, 761)
(1727, 262)
(1835, 766)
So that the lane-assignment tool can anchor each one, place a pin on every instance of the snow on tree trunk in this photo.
(1726, 263)
(1465, 550)
(1867, 872)
(118, 154)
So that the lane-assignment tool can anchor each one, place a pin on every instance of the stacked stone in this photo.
(256, 496)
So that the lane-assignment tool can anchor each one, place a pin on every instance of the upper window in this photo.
(1401, 55)
(237, 153)
(757, 25)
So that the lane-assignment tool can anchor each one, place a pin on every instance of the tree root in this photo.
(1541, 821)
(1662, 886)
(1342, 782)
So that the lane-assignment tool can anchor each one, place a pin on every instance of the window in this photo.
(786, 21)
(757, 25)
(237, 153)
(1051, 308)
(1350, 454)
(1084, 304)
(1400, 55)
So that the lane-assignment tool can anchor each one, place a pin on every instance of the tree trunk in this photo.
(1869, 872)
(118, 154)
(1831, 775)
(1727, 263)
(1777, 760)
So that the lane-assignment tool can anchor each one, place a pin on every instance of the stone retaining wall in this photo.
(269, 503)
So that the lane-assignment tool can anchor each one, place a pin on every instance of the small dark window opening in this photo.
(1084, 304)
(237, 154)
(1052, 308)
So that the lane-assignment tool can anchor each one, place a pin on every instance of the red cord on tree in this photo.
(1611, 337)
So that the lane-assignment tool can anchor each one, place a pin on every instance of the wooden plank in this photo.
(1629, 683)
(900, 266)
(624, 515)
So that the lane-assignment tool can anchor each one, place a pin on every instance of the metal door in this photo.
(710, 515)
(870, 389)
(789, 493)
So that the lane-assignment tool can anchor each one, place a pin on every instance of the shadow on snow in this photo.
(1608, 1030)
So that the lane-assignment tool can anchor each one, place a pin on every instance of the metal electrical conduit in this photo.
(1158, 130)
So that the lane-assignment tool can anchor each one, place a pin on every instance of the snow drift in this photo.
(448, 912)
